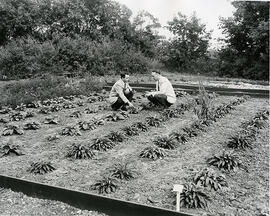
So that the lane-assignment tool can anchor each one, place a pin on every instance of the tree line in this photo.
(99, 37)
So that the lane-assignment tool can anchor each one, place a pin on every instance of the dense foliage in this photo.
(99, 37)
(247, 50)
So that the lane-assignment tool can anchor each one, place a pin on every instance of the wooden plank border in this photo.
(83, 200)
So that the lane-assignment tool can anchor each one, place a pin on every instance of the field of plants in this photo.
(217, 146)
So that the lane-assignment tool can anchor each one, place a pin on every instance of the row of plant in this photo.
(109, 184)
(176, 138)
(81, 151)
(47, 107)
(193, 195)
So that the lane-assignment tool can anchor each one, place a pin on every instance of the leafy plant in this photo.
(122, 171)
(141, 126)
(90, 111)
(116, 136)
(191, 131)
(262, 115)
(131, 131)
(226, 161)
(71, 131)
(153, 121)
(91, 99)
(12, 129)
(180, 136)
(31, 126)
(76, 114)
(205, 101)
(20, 107)
(4, 120)
(193, 197)
(69, 105)
(17, 116)
(169, 113)
(99, 122)
(102, 144)
(85, 125)
(53, 137)
(45, 110)
(107, 185)
(115, 117)
(79, 151)
(153, 153)
(133, 110)
(55, 108)
(51, 120)
(198, 125)
(241, 140)
(5, 110)
(41, 167)
(166, 142)
(208, 178)
(11, 149)
(34, 104)
(80, 103)
(255, 123)
(29, 114)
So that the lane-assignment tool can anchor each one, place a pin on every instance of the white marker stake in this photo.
(178, 189)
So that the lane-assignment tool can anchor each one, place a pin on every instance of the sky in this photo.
(208, 11)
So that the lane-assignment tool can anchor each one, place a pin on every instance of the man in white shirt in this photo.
(164, 94)
(121, 94)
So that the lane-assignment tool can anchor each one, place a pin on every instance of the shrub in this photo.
(191, 131)
(31, 126)
(141, 126)
(107, 185)
(193, 197)
(41, 167)
(53, 137)
(76, 114)
(208, 178)
(166, 142)
(226, 161)
(79, 151)
(153, 121)
(131, 131)
(17, 116)
(153, 153)
(115, 117)
(12, 129)
(169, 113)
(85, 125)
(11, 149)
(102, 144)
(71, 131)
(51, 120)
(241, 140)
(180, 136)
(115, 136)
(122, 171)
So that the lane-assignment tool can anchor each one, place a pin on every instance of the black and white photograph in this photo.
(134, 108)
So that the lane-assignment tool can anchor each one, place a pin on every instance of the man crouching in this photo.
(164, 95)
(121, 94)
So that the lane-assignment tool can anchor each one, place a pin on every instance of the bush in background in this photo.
(24, 58)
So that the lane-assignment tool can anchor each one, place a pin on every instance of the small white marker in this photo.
(178, 189)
